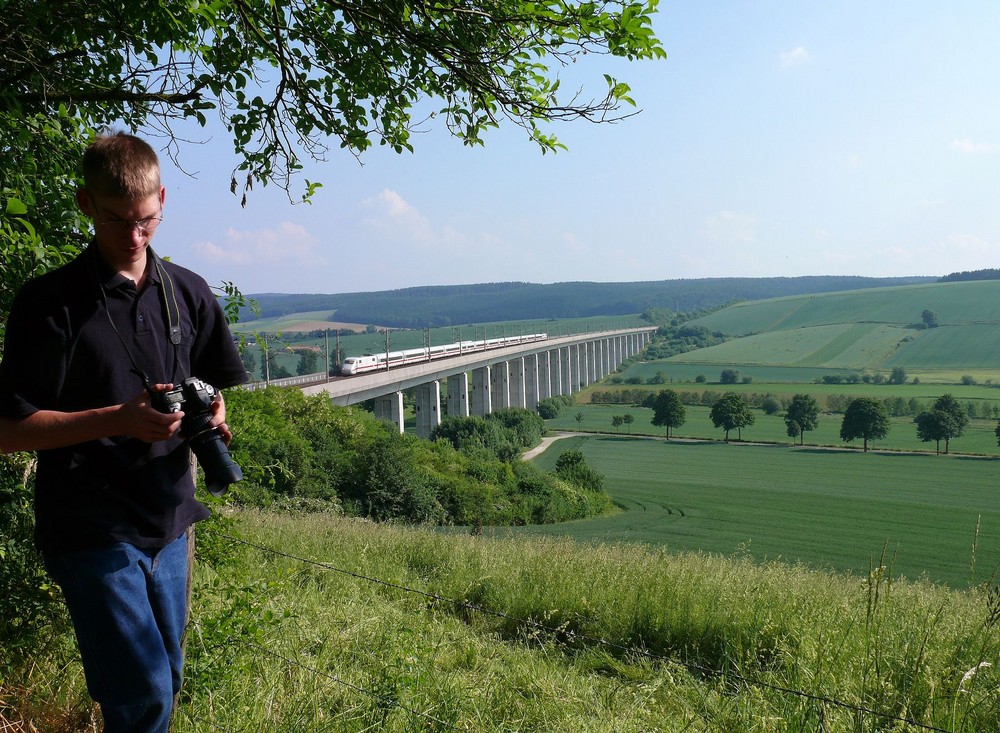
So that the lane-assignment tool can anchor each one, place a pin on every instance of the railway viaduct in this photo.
(512, 376)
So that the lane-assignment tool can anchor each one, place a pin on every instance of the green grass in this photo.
(829, 509)
(688, 371)
(979, 437)
(577, 637)
(954, 303)
(874, 329)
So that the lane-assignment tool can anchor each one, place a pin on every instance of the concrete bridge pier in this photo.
(500, 385)
(544, 375)
(458, 395)
(555, 373)
(515, 370)
(390, 408)
(531, 382)
(428, 408)
(482, 394)
(566, 371)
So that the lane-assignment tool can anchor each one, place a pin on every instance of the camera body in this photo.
(194, 398)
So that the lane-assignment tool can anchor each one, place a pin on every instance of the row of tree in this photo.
(865, 418)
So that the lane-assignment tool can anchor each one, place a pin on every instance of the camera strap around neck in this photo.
(170, 306)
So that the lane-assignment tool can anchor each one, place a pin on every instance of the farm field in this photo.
(979, 437)
(876, 329)
(830, 510)
(954, 303)
(688, 371)
(792, 380)
(860, 347)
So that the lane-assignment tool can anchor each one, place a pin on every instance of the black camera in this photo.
(194, 397)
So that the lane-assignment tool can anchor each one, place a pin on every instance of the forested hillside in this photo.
(446, 305)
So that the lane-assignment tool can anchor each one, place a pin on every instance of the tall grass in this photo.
(619, 638)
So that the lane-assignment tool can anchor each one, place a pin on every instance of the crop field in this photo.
(689, 371)
(974, 345)
(679, 380)
(865, 346)
(863, 330)
(827, 509)
(954, 303)
(979, 437)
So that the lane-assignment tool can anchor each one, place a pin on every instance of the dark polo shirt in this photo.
(62, 353)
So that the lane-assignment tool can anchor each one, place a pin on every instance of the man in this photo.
(114, 493)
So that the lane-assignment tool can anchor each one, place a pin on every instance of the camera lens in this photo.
(219, 467)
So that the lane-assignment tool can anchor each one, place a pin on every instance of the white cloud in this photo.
(289, 244)
(392, 217)
(796, 57)
(970, 147)
(394, 224)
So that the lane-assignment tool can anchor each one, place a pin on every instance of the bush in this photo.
(548, 409)
(525, 426)
(730, 376)
(572, 466)
(33, 617)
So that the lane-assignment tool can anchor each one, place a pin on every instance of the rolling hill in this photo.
(871, 329)
(452, 305)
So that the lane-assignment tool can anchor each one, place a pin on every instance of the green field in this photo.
(875, 329)
(828, 509)
(955, 303)
(979, 437)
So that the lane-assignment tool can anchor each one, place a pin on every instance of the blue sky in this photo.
(776, 139)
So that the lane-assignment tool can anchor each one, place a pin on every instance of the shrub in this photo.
(770, 405)
(525, 427)
(572, 466)
(32, 616)
(730, 376)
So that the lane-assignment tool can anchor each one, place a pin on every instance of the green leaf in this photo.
(16, 207)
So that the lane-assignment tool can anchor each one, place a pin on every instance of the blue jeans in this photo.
(128, 609)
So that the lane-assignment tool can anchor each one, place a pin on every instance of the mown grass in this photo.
(633, 639)
(937, 516)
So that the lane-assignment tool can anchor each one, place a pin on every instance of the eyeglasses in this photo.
(123, 226)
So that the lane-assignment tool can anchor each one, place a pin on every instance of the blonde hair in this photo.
(120, 165)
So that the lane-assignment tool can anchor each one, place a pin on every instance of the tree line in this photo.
(453, 305)
(864, 418)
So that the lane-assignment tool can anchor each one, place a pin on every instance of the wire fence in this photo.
(559, 634)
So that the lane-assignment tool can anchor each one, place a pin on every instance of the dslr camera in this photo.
(194, 397)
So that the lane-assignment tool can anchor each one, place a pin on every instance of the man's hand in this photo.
(141, 420)
(218, 422)
(49, 429)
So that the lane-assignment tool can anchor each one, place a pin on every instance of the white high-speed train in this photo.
(377, 362)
